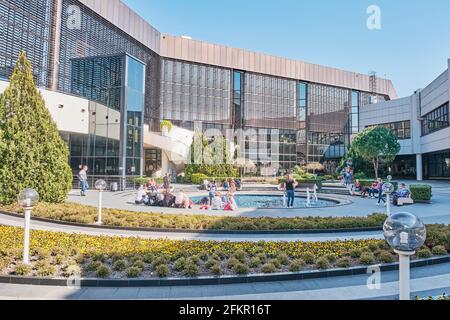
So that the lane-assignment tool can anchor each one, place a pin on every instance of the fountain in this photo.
(316, 198)
(308, 197)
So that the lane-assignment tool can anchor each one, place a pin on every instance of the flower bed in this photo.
(69, 212)
(65, 255)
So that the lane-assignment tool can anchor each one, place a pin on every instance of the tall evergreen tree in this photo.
(32, 153)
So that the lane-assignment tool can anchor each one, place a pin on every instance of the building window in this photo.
(302, 100)
(436, 120)
(355, 112)
(401, 129)
(238, 98)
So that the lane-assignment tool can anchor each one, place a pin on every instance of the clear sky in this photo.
(411, 48)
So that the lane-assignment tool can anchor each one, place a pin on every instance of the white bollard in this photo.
(404, 276)
(100, 196)
(26, 241)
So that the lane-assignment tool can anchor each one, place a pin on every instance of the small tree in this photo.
(376, 145)
(32, 153)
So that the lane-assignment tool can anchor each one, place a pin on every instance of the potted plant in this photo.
(166, 127)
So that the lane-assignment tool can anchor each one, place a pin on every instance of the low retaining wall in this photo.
(164, 282)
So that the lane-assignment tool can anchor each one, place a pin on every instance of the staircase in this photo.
(334, 188)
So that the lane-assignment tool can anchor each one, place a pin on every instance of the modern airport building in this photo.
(109, 78)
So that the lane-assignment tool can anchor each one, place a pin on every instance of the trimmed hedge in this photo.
(198, 178)
(70, 212)
(421, 192)
(300, 181)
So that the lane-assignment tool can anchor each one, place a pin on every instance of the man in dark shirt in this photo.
(289, 185)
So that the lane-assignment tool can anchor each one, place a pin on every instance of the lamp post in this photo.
(405, 233)
(100, 185)
(388, 189)
(27, 199)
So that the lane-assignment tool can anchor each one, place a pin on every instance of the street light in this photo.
(388, 189)
(405, 233)
(27, 199)
(100, 185)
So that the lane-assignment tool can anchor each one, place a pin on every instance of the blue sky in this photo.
(411, 48)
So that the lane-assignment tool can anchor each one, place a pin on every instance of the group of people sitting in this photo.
(217, 201)
(375, 190)
(231, 185)
(152, 194)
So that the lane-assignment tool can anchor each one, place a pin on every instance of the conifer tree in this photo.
(32, 153)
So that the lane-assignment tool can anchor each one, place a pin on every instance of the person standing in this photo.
(82, 176)
(212, 188)
(380, 191)
(289, 185)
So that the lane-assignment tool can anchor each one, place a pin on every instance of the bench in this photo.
(403, 201)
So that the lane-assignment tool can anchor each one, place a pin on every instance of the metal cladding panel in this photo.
(127, 20)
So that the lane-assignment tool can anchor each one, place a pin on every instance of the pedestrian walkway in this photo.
(47, 226)
(426, 281)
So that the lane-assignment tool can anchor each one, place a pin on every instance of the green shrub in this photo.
(216, 269)
(204, 256)
(240, 255)
(134, 272)
(255, 262)
(269, 268)
(194, 259)
(262, 257)
(283, 259)
(424, 253)
(45, 270)
(180, 264)
(140, 180)
(385, 257)
(232, 262)
(241, 269)
(275, 262)
(147, 258)
(308, 257)
(373, 246)
(120, 265)
(191, 270)
(72, 271)
(99, 257)
(22, 270)
(198, 178)
(439, 251)
(103, 271)
(355, 253)
(139, 264)
(162, 270)
(366, 258)
(344, 262)
(41, 254)
(160, 260)
(94, 265)
(331, 257)
(322, 263)
(421, 192)
(296, 265)
(210, 263)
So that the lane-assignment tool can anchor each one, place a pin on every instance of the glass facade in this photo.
(115, 86)
(355, 112)
(98, 37)
(328, 123)
(401, 129)
(191, 92)
(25, 25)
(437, 165)
(436, 120)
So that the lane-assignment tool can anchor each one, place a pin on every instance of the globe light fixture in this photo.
(27, 198)
(100, 185)
(405, 233)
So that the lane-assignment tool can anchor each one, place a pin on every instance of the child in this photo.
(231, 204)
(216, 202)
(204, 203)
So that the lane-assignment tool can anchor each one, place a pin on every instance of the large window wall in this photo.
(269, 102)
(192, 92)
(98, 37)
(401, 129)
(437, 165)
(25, 25)
(436, 120)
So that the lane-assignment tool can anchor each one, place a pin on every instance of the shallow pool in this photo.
(274, 202)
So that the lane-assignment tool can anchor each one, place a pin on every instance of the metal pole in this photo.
(100, 194)
(26, 241)
(388, 204)
(404, 276)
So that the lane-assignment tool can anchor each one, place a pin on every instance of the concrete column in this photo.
(419, 167)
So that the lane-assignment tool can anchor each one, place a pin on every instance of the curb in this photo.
(192, 231)
(133, 283)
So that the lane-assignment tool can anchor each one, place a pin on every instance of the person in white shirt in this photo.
(216, 202)
(141, 195)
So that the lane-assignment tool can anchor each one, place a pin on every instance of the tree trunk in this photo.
(375, 167)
